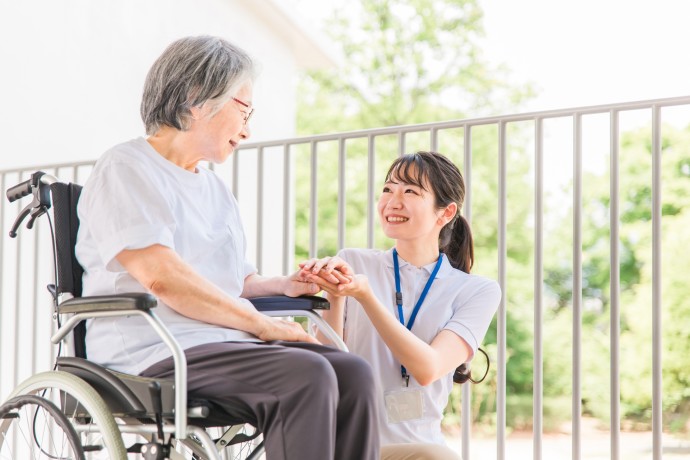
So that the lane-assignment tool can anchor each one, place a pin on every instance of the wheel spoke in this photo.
(33, 427)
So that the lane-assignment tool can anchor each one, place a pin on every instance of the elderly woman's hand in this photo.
(333, 270)
(280, 329)
(297, 284)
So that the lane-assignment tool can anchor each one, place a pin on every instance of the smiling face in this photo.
(218, 134)
(408, 211)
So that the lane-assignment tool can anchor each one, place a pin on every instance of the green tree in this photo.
(405, 61)
(635, 243)
(636, 312)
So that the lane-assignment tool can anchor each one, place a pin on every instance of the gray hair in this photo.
(190, 72)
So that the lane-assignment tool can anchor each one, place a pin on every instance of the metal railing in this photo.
(264, 178)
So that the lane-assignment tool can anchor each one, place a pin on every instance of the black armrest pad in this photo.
(121, 302)
(282, 302)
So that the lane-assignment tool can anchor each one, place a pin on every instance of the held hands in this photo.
(297, 284)
(335, 276)
(332, 269)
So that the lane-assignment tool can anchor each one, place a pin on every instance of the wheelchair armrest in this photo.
(121, 302)
(303, 306)
(282, 302)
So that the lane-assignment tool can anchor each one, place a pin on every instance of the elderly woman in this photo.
(154, 220)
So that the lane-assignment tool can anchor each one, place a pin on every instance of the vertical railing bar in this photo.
(313, 202)
(52, 352)
(434, 139)
(615, 290)
(2, 258)
(577, 288)
(35, 319)
(236, 174)
(341, 193)
(467, 160)
(501, 316)
(17, 294)
(538, 385)
(287, 211)
(657, 337)
(371, 180)
(259, 208)
(401, 143)
(466, 415)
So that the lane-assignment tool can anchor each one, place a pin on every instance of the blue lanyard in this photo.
(399, 301)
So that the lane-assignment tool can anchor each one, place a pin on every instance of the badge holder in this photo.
(404, 404)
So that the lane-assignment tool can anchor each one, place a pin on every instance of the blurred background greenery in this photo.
(414, 61)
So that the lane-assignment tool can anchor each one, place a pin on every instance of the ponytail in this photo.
(455, 241)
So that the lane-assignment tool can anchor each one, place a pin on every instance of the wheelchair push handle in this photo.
(37, 185)
(19, 191)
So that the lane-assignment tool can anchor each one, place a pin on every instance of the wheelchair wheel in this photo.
(85, 410)
(32, 427)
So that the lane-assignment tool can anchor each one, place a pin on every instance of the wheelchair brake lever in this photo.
(20, 218)
(35, 214)
(53, 292)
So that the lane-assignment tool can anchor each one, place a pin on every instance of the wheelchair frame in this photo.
(41, 187)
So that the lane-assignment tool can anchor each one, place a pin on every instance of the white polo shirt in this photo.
(135, 198)
(462, 303)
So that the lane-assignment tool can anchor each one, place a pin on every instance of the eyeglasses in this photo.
(248, 114)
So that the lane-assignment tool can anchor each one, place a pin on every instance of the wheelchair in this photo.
(81, 410)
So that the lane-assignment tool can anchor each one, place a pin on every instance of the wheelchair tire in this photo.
(85, 410)
(22, 433)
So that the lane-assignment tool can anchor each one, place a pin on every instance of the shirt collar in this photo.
(445, 270)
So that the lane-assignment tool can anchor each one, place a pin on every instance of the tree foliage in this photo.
(413, 61)
(635, 305)
(402, 62)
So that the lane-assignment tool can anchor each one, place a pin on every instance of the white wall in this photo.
(71, 71)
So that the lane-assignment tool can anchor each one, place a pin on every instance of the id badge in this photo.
(404, 404)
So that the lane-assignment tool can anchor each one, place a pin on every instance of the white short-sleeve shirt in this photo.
(462, 303)
(135, 198)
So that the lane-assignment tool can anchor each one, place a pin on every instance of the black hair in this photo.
(448, 186)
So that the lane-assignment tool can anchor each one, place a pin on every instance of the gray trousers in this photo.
(311, 402)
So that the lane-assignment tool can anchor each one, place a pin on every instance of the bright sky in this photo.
(590, 52)
(584, 52)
